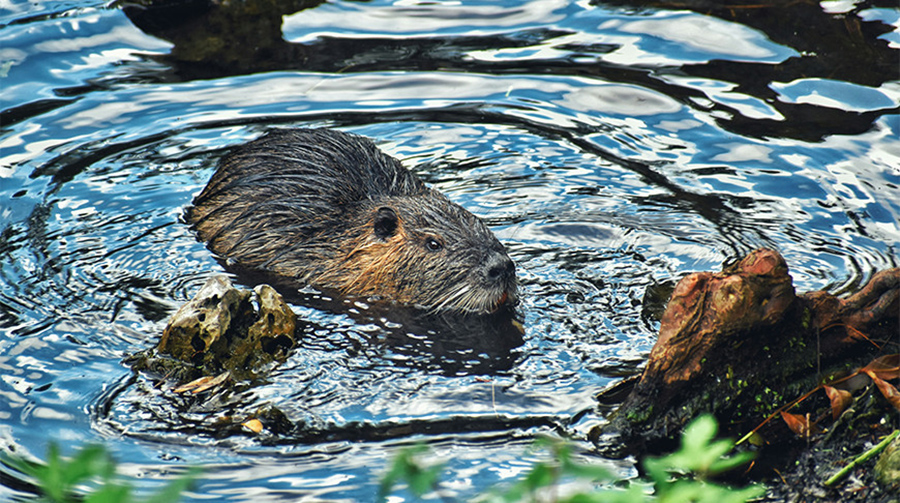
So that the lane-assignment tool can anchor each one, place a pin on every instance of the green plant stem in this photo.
(862, 458)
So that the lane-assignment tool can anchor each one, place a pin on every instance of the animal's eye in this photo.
(433, 245)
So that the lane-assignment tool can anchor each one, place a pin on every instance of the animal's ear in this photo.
(386, 223)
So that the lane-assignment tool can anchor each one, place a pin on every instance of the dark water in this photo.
(611, 146)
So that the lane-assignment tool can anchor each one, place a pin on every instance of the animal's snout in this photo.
(500, 268)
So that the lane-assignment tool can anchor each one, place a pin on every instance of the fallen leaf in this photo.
(840, 400)
(887, 389)
(202, 384)
(886, 367)
(254, 425)
(799, 424)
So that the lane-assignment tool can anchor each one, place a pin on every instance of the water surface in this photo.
(612, 147)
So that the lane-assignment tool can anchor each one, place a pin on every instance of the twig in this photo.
(784, 407)
(796, 401)
(862, 458)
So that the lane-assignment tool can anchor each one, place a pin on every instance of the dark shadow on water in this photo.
(448, 343)
(221, 38)
(834, 46)
(213, 39)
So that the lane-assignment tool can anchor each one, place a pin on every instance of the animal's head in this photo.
(425, 250)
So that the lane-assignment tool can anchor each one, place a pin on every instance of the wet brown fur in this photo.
(370, 265)
(329, 209)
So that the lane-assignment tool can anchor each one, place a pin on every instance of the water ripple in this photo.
(612, 149)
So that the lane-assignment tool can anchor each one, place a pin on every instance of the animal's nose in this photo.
(500, 268)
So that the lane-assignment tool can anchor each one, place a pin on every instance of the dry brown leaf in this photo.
(840, 400)
(202, 384)
(886, 367)
(254, 425)
(887, 389)
(799, 424)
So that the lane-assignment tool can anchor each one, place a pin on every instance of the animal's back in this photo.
(304, 181)
(317, 170)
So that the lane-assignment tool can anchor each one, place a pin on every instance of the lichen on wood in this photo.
(224, 329)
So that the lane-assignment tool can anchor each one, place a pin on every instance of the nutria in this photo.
(328, 209)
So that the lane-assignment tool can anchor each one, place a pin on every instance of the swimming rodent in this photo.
(328, 209)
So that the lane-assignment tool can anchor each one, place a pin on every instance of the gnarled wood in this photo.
(741, 343)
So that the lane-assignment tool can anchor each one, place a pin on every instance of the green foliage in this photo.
(545, 475)
(680, 477)
(58, 479)
(407, 468)
(699, 453)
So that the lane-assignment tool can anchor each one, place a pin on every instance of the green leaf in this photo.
(423, 480)
(698, 454)
(172, 491)
(408, 469)
(541, 475)
(58, 478)
(699, 433)
(726, 464)
(51, 477)
(109, 493)
(691, 491)
(634, 494)
(91, 461)
(586, 471)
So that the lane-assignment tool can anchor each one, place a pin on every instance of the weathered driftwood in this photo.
(741, 343)
(223, 329)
